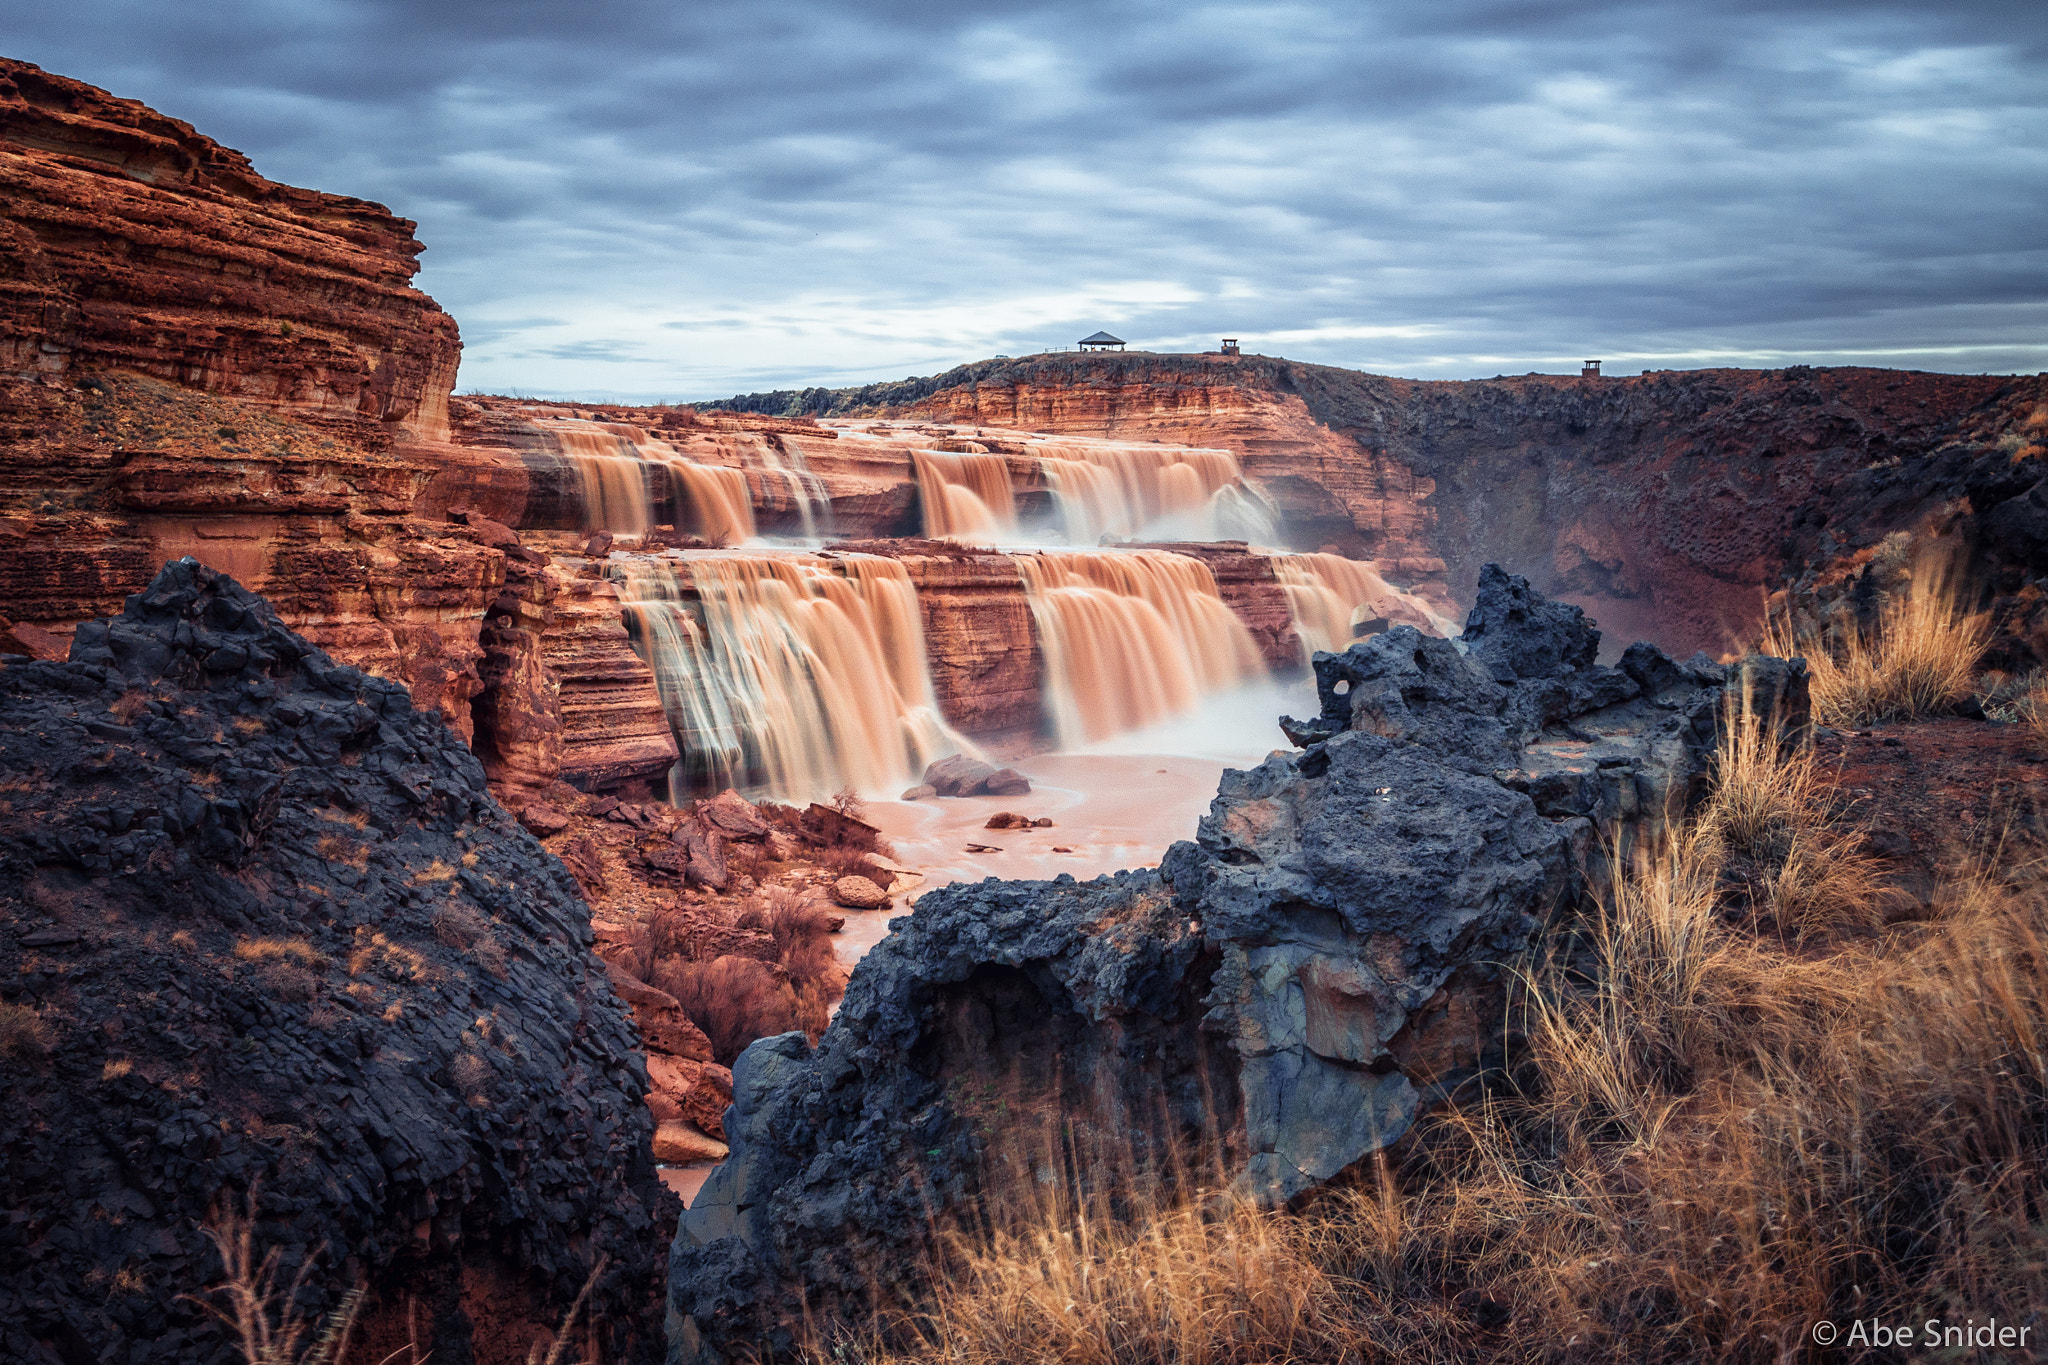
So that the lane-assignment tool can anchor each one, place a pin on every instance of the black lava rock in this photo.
(264, 933)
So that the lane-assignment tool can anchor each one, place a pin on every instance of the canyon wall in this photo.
(1668, 504)
(132, 241)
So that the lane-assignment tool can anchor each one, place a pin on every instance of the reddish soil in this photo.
(1932, 796)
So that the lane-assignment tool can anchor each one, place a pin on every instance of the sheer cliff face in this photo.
(1666, 504)
(196, 360)
(132, 241)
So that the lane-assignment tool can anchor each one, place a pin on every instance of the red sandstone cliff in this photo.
(132, 241)
(196, 360)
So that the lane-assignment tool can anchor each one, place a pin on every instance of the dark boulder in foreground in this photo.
(1325, 959)
(262, 928)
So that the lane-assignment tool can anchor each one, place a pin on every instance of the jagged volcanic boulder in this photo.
(1323, 960)
(263, 932)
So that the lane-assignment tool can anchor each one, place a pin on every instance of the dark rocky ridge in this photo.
(1323, 960)
(273, 931)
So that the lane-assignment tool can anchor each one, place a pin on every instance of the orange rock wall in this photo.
(131, 241)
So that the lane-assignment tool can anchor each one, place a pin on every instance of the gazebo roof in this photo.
(1102, 339)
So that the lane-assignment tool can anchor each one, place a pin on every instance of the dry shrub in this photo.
(735, 1000)
(458, 925)
(843, 860)
(24, 1033)
(1917, 660)
(287, 981)
(800, 928)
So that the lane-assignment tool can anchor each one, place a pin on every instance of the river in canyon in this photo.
(1114, 805)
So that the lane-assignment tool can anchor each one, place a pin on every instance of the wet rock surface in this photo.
(1324, 959)
(279, 938)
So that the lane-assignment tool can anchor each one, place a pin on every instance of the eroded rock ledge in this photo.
(263, 927)
(1321, 962)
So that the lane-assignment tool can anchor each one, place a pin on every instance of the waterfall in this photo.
(1168, 491)
(785, 675)
(619, 463)
(1130, 638)
(721, 509)
(966, 497)
(616, 496)
(807, 490)
(1329, 594)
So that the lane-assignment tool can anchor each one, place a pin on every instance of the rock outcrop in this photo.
(133, 242)
(196, 360)
(1321, 962)
(265, 936)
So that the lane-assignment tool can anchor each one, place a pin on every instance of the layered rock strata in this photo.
(1668, 503)
(132, 241)
(266, 938)
(1323, 960)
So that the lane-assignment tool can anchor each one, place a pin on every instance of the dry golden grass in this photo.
(1919, 659)
(1713, 1138)
(461, 926)
(398, 961)
(337, 849)
(24, 1033)
(1772, 806)
(130, 704)
(279, 949)
(269, 1328)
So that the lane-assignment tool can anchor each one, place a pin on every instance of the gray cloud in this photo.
(649, 200)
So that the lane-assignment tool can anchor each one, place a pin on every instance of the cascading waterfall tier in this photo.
(966, 496)
(807, 490)
(1170, 492)
(789, 675)
(1330, 595)
(627, 472)
(1130, 638)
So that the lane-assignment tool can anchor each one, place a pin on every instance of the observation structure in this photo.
(1589, 369)
(1102, 341)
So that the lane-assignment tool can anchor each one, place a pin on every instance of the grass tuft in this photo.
(24, 1033)
(1918, 660)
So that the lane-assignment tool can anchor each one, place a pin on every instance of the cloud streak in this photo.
(656, 201)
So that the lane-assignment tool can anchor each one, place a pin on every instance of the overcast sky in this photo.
(683, 200)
